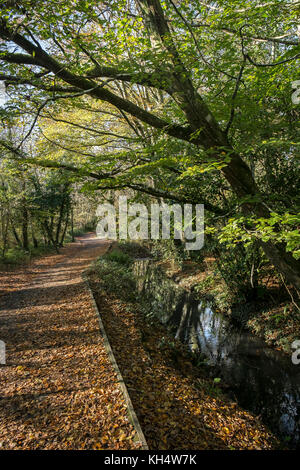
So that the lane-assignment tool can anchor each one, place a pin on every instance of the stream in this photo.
(261, 379)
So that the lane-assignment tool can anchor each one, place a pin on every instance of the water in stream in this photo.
(262, 379)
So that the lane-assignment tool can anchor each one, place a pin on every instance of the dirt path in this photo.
(58, 390)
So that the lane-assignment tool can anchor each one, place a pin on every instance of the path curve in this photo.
(58, 389)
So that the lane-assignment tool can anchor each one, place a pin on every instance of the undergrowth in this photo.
(17, 256)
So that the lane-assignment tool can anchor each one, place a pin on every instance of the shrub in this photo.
(134, 249)
(116, 278)
(118, 257)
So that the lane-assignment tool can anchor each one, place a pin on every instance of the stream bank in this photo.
(178, 405)
(262, 380)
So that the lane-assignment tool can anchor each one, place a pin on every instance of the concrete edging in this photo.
(130, 410)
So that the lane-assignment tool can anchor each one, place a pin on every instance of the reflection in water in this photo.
(263, 380)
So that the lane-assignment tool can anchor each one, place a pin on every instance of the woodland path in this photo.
(58, 389)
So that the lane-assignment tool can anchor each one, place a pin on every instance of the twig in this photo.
(247, 57)
(289, 292)
(53, 98)
(236, 89)
(197, 45)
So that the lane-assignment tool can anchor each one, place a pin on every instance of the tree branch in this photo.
(145, 79)
(19, 156)
(247, 57)
(260, 38)
(45, 163)
(89, 86)
(15, 80)
(236, 89)
(14, 58)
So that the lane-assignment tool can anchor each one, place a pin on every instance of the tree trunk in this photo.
(61, 214)
(239, 176)
(50, 236)
(64, 230)
(15, 233)
(72, 224)
(5, 223)
(25, 228)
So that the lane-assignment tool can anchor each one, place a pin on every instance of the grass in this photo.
(17, 256)
(118, 257)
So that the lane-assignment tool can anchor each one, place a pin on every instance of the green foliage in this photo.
(172, 250)
(134, 249)
(118, 257)
(116, 278)
(16, 256)
(87, 227)
(132, 112)
(279, 227)
(205, 284)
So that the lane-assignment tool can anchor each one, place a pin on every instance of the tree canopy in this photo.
(185, 101)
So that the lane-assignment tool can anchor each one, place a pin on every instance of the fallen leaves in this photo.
(174, 401)
(59, 390)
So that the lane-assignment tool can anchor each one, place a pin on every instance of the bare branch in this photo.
(259, 38)
(236, 89)
(89, 86)
(246, 55)
(42, 106)
(89, 129)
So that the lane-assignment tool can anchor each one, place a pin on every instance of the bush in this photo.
(134, 249)
(116, 278)
(118, 256)
(17, 255)
(240, 267)
(172, 250)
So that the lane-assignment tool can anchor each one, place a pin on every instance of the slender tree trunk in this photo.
(15, 233)
(24, 210)
(25, 241)
(64, 230)
(34, 240)
(50, 235)
(51, 224)
(72, 224)
(61, 213)
(5, 234)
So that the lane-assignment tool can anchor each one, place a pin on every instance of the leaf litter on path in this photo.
(58, 388)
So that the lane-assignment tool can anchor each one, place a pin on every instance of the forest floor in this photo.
(177, 404)
(58, 388)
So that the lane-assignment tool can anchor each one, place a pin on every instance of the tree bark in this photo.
(25, 241)
(15, 233)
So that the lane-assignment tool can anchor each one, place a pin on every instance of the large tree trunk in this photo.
(284, 262)
(237, 172)
(239, 175)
